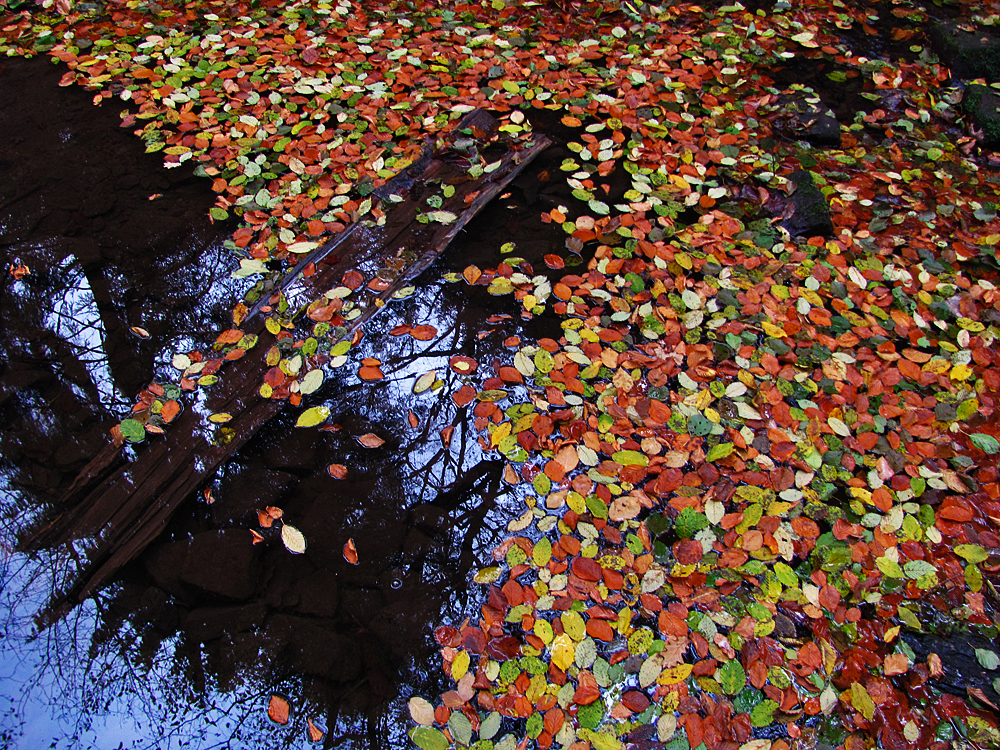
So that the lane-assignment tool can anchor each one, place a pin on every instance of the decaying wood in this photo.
(131, 506)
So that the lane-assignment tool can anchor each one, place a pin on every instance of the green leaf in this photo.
(461, 727)
(219, 214)
(132, 430)
(763, 713)
(429, 738)
(313, 416)
(916, 568)
(889, 568)
(985, 443)
(786, 575)
(987, 659)
(720, 451)
(732, 677)
(630, 458)
(490, 726)
(971, 552)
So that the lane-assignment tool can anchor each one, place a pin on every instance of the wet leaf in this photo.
(132, 430)
(421, 711)
(314, 733)
(337, 471)
(370, 440)
(313, 416)
(350, 552)
(278, 709)
(985, 443)
(293, 539)
(429, 738)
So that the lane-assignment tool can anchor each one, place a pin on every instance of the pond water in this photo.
(188, 644)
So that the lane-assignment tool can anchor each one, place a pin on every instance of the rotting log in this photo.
(132, 503)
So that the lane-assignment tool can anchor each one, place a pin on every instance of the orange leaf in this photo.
(368, 372)
(257, 538)
(264, 519)
(315, 733)
(170, 410)
(229, 337)
(278, 709)
(371, 440)
(351, 552)
(337, 471)
(412, 419)
(423, 333)
(472, 274)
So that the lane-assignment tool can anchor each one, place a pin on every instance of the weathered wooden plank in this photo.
(127, 510)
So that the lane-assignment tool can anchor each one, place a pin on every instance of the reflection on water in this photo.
(189, 643)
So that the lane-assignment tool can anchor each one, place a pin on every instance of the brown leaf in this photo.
(337, 471)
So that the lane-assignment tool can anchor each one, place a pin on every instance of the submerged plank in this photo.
(129, 507)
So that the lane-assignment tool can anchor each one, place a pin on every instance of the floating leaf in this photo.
(293, 539)
(132, 430)
(278, 709)
(429, 738)
(350, 552)
(370, 440)
(421, 711)
(313, 416)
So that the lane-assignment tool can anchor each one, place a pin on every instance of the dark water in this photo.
(188, 644)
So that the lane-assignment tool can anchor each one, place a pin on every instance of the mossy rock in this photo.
(968, 54)
(808, 214)
(982, 105)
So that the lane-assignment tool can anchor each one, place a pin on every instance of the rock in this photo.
(224, 563)
(312, 649)
(968, 54)
(318, 594)
(807, 213)
(982, 105)
(164, 562)
(209, 623)
(804, 118)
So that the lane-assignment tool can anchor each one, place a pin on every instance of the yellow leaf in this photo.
(574, 625)
(773, 331)
(220, 418)
(273, 326)
(500, 433)
(960, 372)
(460, 666)
(862, 701)
(313, 416)
(563, 651)
(673, 675)
(543, 629)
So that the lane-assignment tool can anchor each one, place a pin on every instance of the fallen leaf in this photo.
(370, 440)
(293, 539)
(278, 709)
(350, 552)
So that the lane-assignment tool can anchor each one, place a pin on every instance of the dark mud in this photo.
(192, 639)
